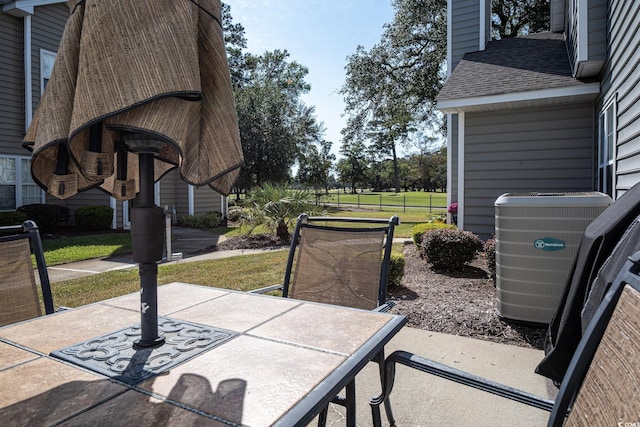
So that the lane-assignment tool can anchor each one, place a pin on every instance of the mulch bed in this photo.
(460, 303)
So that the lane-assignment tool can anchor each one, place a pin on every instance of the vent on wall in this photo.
(537, 238)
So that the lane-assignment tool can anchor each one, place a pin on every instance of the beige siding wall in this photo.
(206, 200)
(168, 189)
(542, 149)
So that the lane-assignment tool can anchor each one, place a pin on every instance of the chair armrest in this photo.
(266, 289)
(456, 375)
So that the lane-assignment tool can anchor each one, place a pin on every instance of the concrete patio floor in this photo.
(420, 399)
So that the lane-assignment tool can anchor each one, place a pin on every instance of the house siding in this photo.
(168, 189)
(465, 29)
(12, 126)
(589, 62)
(93, 197)
(597, 30)
(47, 25)
(206, 200)
(620, 81)
(539, 149)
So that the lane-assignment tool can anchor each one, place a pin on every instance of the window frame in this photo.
(47, 59)
(19, 184)
(606, 147)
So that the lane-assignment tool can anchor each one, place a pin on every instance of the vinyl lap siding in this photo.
(206, 200)
(47, 25)
(542, 149)
(11, 86)
(465, 18)
(586, 61)
(168, 189)
(597, 30)
(621, 80)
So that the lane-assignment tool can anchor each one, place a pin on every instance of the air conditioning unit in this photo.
(537, 238)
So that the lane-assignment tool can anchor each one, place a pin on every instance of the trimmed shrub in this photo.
(490, 253)
(94, 217)
(207, 220)
(448, 249)
(12, 218)
(418, 230)
(396, 269)
(46, 217)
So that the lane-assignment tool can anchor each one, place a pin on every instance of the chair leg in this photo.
(387, 402)
(375, 414)
(322, 418)
(350, 403)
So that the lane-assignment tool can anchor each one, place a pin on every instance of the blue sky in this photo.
(318, 34)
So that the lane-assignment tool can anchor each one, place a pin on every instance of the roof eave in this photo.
(22, 8)
(535, 98)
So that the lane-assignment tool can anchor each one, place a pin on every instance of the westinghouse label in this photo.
(549, 244)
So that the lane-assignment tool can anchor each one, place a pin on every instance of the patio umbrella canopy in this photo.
(138, 88)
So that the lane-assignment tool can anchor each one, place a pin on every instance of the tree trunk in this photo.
(282, 231)
(396, 171)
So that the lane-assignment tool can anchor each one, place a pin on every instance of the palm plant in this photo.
(277, 208)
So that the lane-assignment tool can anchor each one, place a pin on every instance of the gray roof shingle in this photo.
(512, 65)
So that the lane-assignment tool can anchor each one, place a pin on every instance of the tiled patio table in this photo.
(279, 362)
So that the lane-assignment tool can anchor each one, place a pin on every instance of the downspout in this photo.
(224, 206)
(28, 92)
(449, 165)
(461, 170)
(114, 206)
(483, 28)
(449, 116)
(449, 38)
(192, 207)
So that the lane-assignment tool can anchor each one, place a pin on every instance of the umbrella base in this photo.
(116, 356)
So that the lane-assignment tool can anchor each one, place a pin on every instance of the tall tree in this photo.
(352, 168)
(275, 125)
(390, 89)
(513, 18)
(315, 165)
(235, 44)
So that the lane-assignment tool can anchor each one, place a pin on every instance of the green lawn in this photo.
(242, 273)
(63, 250)
(407, 219)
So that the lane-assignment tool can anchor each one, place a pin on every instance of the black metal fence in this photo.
(433, 204)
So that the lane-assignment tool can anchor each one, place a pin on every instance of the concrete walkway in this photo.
(418, 399)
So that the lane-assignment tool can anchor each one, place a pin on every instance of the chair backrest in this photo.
(602, 384)
(19, 298)
(340, 261)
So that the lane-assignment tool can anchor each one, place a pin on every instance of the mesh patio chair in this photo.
(19, 298)
(602, 383)
(340, 261)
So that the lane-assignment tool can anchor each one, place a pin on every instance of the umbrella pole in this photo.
(147, 240)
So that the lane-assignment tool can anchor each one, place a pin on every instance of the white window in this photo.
(17, 187)
(7, 183)
(46, 66)
(606, 149)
